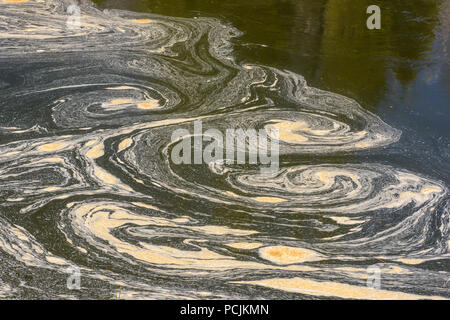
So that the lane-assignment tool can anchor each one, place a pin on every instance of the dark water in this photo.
(85, 134)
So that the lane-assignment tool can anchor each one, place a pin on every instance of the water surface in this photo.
(87, 181)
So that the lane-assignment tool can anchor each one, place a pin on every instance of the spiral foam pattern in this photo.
(87, 179)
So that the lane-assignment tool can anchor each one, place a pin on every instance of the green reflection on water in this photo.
(327, 41)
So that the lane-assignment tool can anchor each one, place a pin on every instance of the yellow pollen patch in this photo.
(334, 289)
(14, 200)
(52, 146)
(181, 220)
(56, 260)
(219, 230)
(410, 261)
(229, 193)
(244, 245)
(362, 145)
(287, 131)
(121, 88)
(50, 189)
(105, 176)
(118, 102)
(96, 152)
(430, 190)
(141, 20)
(124, 144)
(323, 176)
(148, 104)
(346, 220)
(144, 205)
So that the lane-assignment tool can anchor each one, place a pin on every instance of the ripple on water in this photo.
(87, 181)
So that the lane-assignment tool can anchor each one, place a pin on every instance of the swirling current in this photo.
(87, 181)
